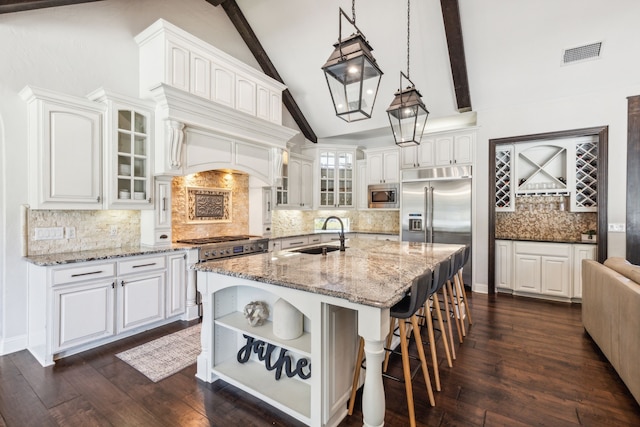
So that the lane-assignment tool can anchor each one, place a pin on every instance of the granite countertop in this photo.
(524, 239)
(369, 272)
(102, 254)
(311, 233)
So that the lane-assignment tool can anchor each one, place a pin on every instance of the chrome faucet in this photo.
(341, 234)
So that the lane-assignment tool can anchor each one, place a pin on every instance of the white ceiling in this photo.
(513, 53)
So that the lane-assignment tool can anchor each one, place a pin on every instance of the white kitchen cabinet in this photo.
(177, 65)
(300, 182)
(504, 263)
(64, 149)
(454, 149)
(383, 166)
(73, 307)
(176, 289)
(580, 253)
(155, 225)
(199, 73)
(417, 156)
(543, 268)
(128, 150)
(293, 242)
(362, 195)
(334, 176)
(375, 236)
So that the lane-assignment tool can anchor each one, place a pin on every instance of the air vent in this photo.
(581, 53)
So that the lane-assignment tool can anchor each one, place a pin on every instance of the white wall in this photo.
(75, 50)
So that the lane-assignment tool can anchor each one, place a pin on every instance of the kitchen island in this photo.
(340, 294)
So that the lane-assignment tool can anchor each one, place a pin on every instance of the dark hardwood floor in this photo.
(524, 362)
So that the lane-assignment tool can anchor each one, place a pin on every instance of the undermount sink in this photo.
(316, 250)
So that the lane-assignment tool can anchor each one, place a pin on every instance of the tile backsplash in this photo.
(541, 218)
(92, 230)
(292, 221)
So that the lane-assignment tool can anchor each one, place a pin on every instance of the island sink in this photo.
(316, 250)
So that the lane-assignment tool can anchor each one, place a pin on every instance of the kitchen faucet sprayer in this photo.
(341, 234)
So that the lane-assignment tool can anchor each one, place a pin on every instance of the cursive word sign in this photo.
(284, 361)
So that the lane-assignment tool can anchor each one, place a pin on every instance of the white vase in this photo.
(287, 320)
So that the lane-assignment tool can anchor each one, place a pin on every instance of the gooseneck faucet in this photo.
(324, 227)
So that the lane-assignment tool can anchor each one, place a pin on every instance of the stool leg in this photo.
(464, 295)
(392, 327)
(423, 360)
(436, 303)
(456, 284)
(407, 371)
(453, 309)
(432, 345)
(356, 375)
(445, 298)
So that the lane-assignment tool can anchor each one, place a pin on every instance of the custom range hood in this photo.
(212, 111)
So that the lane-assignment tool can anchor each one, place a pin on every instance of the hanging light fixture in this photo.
(407, 113)
(352, 74)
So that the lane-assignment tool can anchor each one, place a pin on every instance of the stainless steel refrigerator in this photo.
(436, 207)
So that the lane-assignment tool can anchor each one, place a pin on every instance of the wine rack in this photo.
(585, 198)
(504, 189)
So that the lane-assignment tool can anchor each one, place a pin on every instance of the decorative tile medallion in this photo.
(208, 205)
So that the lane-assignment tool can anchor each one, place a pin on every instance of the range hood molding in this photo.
(178, 105)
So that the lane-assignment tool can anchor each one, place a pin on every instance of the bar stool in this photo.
(454, 296)
(405, 311)
(461, 290)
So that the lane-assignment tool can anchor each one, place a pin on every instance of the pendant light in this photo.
(352, 74)
(407, 113)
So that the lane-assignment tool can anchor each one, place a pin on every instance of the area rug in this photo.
(165, 356)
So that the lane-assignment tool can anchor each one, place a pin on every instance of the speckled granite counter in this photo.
(588, 242)
(101, 254)
(369, 272)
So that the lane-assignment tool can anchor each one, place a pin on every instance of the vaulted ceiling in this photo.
(496, 53)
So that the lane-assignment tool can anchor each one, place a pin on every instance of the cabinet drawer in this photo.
(294, 242)
(538, 248)
(83, 272)
(315, 239)
(139, 265)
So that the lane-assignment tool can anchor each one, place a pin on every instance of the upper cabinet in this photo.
(65, 151)
(334, 178)
(128, 151)
(441, 149)
(172, 56)
(383, 166)
(300, 182)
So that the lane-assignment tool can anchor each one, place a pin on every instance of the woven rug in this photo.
(165, 356)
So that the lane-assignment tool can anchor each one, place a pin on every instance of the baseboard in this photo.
(481, 288)
(11, 345)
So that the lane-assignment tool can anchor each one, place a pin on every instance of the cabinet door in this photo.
(463, 149)
(263, 103)
(425, 153)
(177, 70)
(375, 168)
(503, 264)
(66, 162)
(224, 86)
(580, 252)
(245, 95)
(363, 197)
(176, 285)
(200, 75)
(443, 150)
(527, 273)
(327, 179)
(306, 184)
(82, 313)
(408, 157)
(295, 182)
(345, 180)
(141, 300)
(556, 276)
(391, 165)
(275, 109)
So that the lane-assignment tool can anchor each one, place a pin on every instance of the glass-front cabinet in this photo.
(128, 157)
(336, 179)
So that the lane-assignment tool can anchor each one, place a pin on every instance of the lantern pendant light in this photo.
(407, 113)
(352, 74)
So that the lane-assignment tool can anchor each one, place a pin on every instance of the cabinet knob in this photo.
(122, 283)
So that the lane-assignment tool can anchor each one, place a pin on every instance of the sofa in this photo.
(611, 315)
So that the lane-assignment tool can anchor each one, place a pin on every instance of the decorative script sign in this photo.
(284, 361)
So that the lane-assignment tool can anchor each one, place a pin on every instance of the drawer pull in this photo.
(86, 274)
(144, 265)
(296, 243)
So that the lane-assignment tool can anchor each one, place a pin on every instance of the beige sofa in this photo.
(611, 315)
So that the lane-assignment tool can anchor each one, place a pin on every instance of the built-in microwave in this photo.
(384, 196)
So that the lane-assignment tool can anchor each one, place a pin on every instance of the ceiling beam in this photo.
(453, 31)
(10, 6)
(244, 29)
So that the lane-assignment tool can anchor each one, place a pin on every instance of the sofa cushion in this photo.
(624, 267)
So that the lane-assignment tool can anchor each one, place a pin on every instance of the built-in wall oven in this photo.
(384, 196)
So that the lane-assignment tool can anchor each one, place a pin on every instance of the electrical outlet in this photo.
(617, 227)
(49, 233)
(113, 231)
(70, 232)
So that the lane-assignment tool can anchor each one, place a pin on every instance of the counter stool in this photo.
(405, 311)
(461, 290)
(454, 295)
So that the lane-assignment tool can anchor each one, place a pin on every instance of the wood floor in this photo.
(524, 362)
